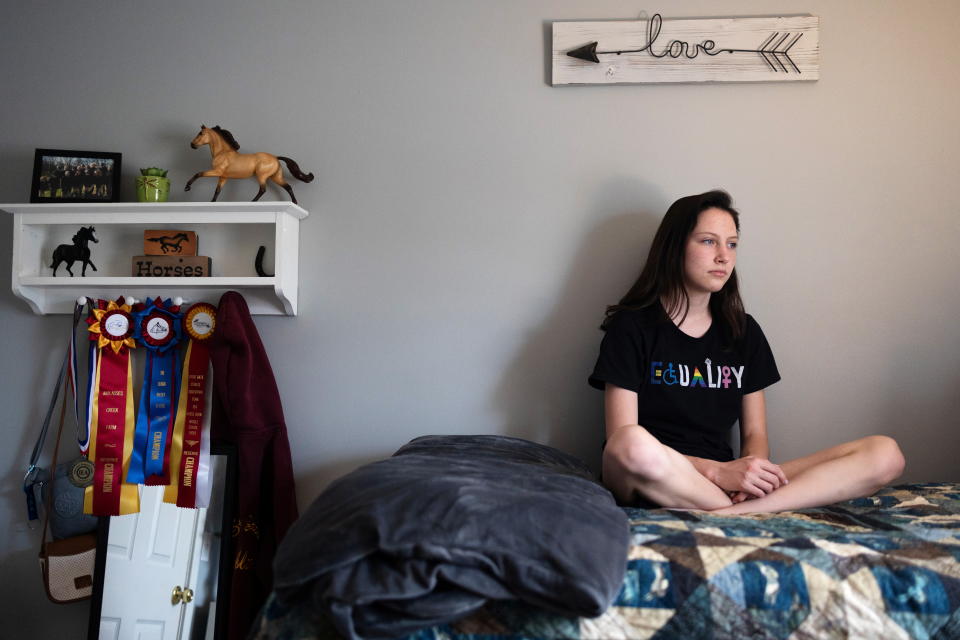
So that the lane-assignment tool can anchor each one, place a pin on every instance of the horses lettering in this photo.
(171, 266)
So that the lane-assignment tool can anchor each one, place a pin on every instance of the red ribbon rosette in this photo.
(190, 450)
(111, 324)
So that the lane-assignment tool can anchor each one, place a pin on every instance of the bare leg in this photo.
(846, 471)
(635, 462)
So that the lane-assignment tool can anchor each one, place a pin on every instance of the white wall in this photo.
(469, 222)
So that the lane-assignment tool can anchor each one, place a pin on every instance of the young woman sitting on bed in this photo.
(681, 361)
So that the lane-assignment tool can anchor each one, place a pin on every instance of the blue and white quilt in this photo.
(887, 566)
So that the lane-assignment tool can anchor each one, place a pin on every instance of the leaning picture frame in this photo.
(61, 175)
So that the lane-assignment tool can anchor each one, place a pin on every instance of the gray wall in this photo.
(469, 222)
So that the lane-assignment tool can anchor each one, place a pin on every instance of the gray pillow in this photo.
(429, 535)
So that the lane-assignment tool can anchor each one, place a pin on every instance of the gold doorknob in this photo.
(181, 595)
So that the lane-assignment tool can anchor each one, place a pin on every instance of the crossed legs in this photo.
(848, 470)
(636, 463)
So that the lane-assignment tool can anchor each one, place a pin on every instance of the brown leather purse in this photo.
(67, 564)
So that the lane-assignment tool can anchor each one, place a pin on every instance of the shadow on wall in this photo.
(544, 393)
(16, 174)
(923, 416)
(313, 479)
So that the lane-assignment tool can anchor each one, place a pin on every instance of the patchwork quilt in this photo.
(887, 566)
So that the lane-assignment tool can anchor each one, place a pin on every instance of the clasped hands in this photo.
(748, 477)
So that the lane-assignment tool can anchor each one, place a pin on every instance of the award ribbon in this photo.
(158, 330)
(91, 389)
(111, 432)
(189, 455)
(83, 438)
(81, 470)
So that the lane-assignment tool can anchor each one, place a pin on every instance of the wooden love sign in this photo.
(775, 49)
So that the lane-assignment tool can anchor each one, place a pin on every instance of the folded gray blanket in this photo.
(430, 534)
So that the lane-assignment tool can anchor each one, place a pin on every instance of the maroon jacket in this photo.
(247, 412)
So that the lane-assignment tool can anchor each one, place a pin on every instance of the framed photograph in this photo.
(75, 176)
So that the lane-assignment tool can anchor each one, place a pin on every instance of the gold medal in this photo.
(81, 473)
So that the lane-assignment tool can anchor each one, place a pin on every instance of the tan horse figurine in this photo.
(228, 163)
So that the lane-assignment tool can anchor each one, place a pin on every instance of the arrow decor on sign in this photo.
(678, 48)
(776, 50)
(788, 47)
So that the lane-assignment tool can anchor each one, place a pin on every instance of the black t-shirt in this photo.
(689, 390)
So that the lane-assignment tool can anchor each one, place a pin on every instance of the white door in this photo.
(148, 554)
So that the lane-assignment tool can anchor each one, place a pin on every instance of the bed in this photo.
(883, 566)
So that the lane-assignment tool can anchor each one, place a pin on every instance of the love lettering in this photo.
(708, 376)
(675, 48)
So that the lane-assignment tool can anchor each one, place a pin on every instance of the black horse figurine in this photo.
(70, 253)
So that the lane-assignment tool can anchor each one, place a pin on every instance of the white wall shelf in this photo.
(229, 232)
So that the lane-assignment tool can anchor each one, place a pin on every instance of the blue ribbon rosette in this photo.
(159, 329)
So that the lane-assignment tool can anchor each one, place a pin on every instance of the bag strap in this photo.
(48, 501)
(38, 447)
(67, 369)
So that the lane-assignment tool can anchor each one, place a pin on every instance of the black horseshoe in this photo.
(258, 263)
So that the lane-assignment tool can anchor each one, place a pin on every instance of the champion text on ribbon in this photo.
(111, 411)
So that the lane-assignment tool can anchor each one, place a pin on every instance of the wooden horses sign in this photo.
(228, 163)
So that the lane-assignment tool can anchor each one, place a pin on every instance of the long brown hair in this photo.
(662, 275)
